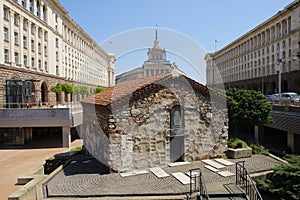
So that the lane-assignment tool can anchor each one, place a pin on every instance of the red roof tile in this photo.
(126, 88)
(121, 90)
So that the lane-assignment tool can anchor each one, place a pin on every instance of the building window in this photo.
(56, 56)
(25, 42)
(24, 3)
(25, 60)
(32, 62)
(32, 29)
(57, 71)
(40, 64)
(39, 48)
(38, 6)
(40, 33)
(25, 24)
(31, 7)
(45, 35)
(46, 66)
(56, 42)
(45, 13)
(32, 45)
(6, 55)
(5, 13)
(16, 57)
(16, 19)
(16, 38)
(6, 38)
(45, 51)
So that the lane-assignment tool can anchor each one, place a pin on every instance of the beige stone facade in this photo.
(39, 40)
(254, 59)
(161, 120)
(156, 63)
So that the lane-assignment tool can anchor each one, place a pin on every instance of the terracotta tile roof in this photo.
(126, 88)
(121, 90)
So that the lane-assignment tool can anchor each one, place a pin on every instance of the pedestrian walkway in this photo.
(18, 161)
(147, 184)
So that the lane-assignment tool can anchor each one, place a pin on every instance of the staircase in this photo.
(243, 188)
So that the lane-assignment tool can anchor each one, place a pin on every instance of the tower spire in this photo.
(156, 42)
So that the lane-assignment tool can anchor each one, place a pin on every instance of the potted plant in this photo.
(238, 149)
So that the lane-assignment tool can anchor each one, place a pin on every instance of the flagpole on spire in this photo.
(156, 34)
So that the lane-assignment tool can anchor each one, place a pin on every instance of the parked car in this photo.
(272, 98)
(290, 97)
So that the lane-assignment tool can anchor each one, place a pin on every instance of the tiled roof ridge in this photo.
(126, 88)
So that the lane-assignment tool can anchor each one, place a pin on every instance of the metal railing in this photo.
(197, 184)
(36, 105)
(244, 180)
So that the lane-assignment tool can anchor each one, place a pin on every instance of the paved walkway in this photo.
(16, 162)
(74, 180)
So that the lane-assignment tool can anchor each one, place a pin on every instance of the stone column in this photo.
(21, 43)
(36, 50)
(1, 35)
(29, 44)
(66, 136)
(290, 141)
(12, 37)
(28, 134)
(42, 51)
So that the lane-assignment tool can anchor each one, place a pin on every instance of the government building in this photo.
(254, 60)
(41, 44)
(41, 47)
(157, 63)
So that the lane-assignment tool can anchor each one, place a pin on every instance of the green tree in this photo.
(284, 183)
(83, 90)
(57, 90)
(98, 89)
(248, 107)
(67, 89)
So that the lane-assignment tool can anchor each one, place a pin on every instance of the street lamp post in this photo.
(279, 59)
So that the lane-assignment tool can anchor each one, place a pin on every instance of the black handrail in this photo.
(244, 180)
(198, 184)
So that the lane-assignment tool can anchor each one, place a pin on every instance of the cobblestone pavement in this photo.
(76, 181)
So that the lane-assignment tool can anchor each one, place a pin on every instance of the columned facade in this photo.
(39, 36)
(254, 60)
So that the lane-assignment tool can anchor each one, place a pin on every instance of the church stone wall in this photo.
(140, 135)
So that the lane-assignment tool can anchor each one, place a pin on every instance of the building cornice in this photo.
(287, 9)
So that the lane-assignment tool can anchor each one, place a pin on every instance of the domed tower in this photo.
(157, 62)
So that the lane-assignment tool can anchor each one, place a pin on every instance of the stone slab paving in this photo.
(224, 162)
(213, 163)
(211, 168)
(96, 185)
(226, 173)
(182, 178)
(159, 172)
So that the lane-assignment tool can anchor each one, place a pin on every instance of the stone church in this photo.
(154, 121)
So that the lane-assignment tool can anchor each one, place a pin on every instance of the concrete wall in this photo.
(34, 117)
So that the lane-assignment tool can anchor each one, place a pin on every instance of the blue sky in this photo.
(198, 22)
